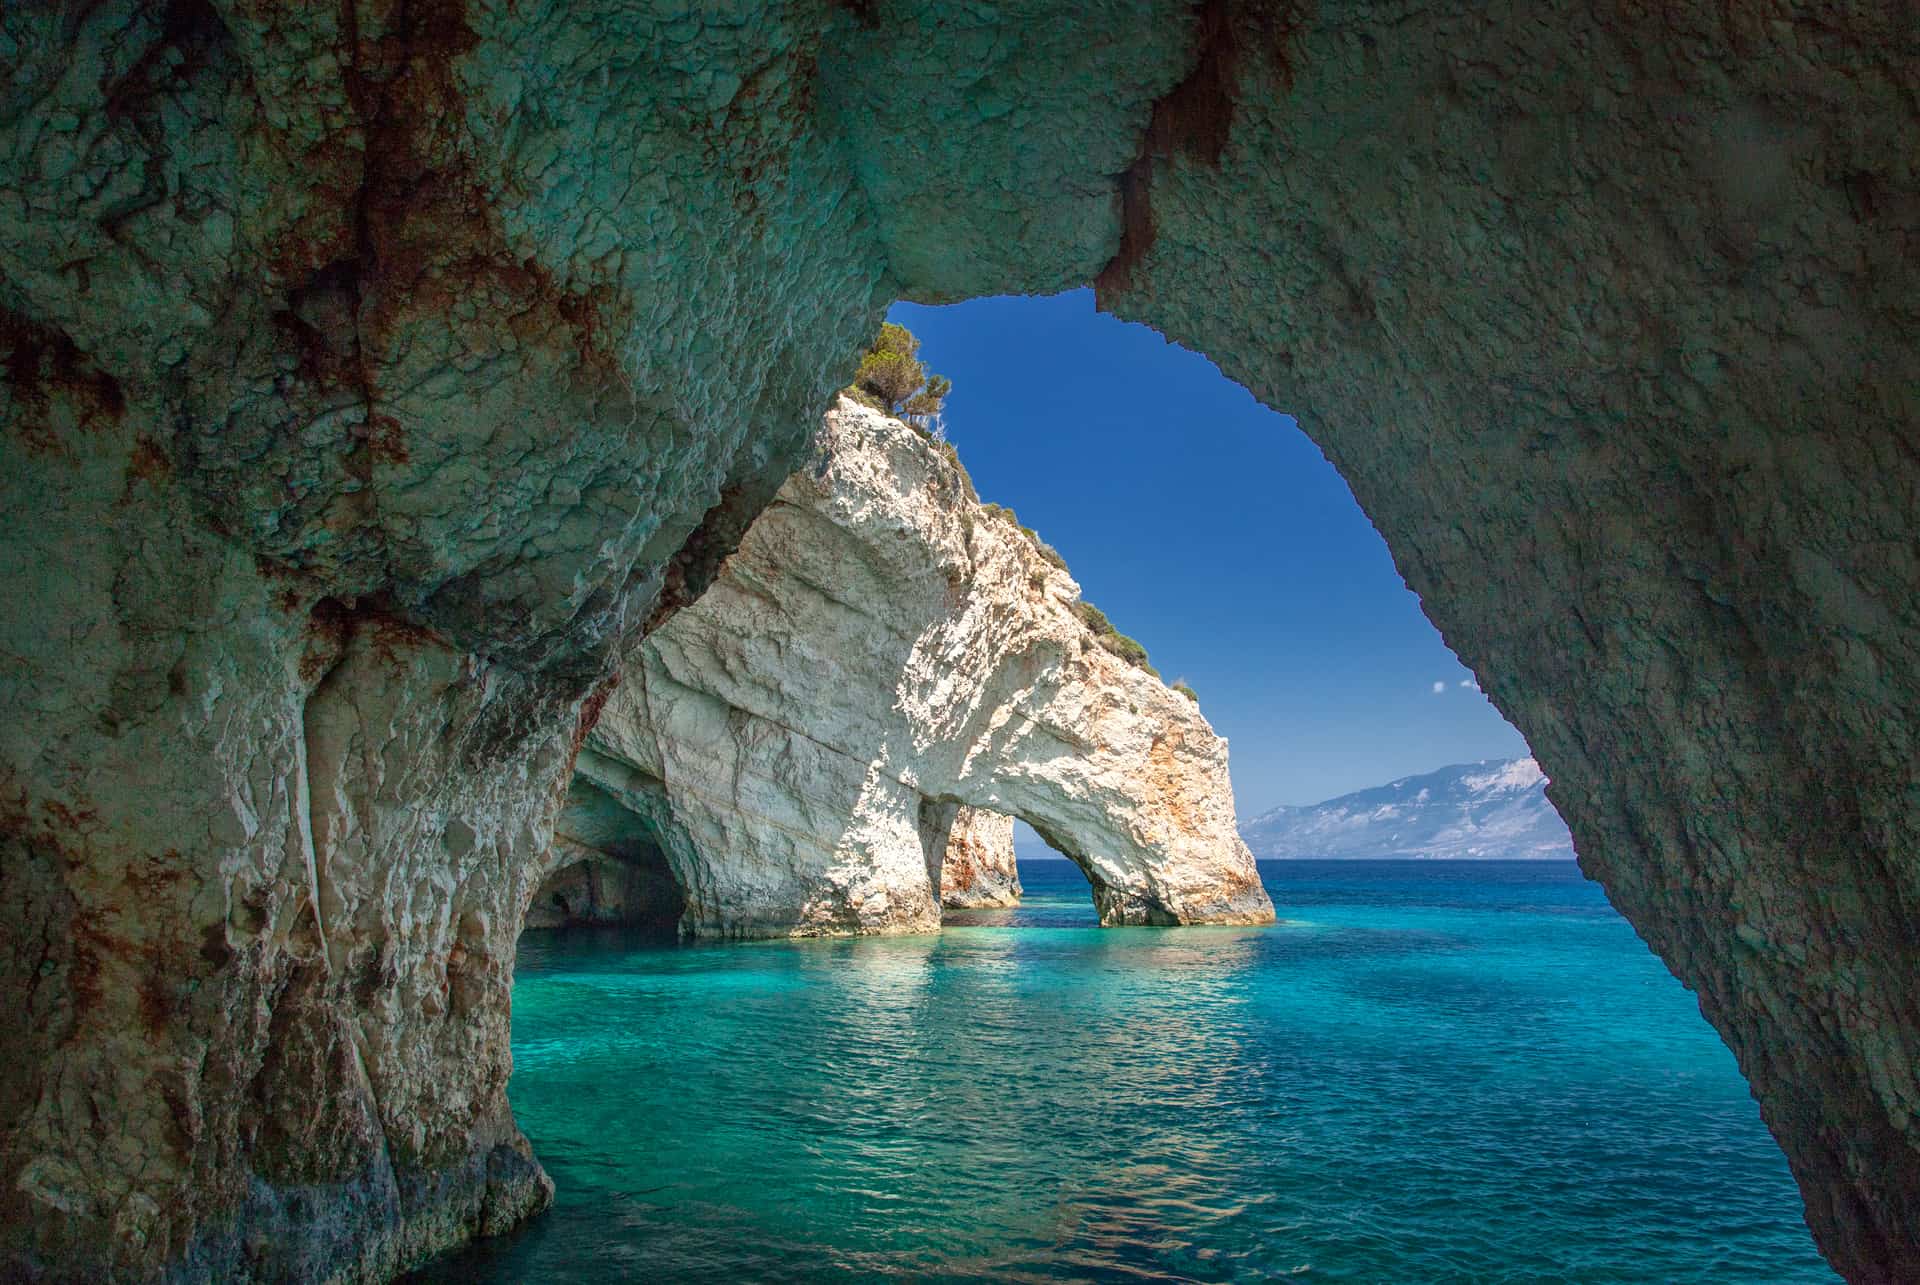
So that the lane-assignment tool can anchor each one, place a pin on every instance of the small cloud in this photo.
(1472, 684)
(1439, 688)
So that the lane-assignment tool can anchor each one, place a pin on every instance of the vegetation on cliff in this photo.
(892, 378)
(1046, 550)
(1127, 649)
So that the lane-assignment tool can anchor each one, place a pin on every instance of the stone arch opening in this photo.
(1118, 900)
(1539, 288)
(610, 869)
(977, 869)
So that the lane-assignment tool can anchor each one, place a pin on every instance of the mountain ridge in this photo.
(1490, 809)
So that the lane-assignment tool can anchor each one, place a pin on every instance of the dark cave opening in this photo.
(610, 871)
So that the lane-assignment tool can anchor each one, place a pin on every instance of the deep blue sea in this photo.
(1429, 1072)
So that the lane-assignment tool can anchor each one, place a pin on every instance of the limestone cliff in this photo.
(386, 367)
(881, 660)
(979, 872)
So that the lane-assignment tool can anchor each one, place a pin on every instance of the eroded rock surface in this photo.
(485, 329)
(882, 665)
(1611, 319)
(979, 872)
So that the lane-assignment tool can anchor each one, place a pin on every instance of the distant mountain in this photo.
(1493, 809)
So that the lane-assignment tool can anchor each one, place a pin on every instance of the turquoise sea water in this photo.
(1433, 1072)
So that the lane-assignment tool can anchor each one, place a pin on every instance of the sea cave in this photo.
(394, 393)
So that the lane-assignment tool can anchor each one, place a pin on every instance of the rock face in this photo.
(823, 740)
(334, 474)
(361, 353)
(979, 872)
(1494, 810)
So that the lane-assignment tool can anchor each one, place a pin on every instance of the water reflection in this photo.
(1483, 1081)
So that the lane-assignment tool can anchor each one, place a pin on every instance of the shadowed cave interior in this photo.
(610, 870)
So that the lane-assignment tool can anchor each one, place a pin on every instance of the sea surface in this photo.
(1430, 1072)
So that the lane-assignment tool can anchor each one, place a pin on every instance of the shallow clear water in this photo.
(1432, 1072)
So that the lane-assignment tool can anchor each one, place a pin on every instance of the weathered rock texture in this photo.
(370, 372)
(363, 349)
(811, 743)
(979, 872)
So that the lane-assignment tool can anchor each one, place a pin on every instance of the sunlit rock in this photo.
(881, 650)
(979, 871)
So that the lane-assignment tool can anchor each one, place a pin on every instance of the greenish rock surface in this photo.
(374, 373)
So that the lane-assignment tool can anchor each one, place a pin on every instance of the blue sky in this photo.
(1212, 530)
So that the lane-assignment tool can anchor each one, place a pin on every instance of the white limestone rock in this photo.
(979, 872)
(880, 648)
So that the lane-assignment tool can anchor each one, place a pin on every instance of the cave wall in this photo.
(340, 450)
(362, 349)
(1608, 316)
(261, 868)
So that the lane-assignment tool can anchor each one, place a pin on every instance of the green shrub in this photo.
(1041, 547)
(953, 457)
(895, 380)
(1186, 689)
(1093, 618)
(864, 397)
(1050, 553)
(1129, 650)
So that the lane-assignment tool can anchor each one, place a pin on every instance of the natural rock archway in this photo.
(372, 372)
(881, 650)
(609, 867)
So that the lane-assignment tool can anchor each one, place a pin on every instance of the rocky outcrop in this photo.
(979, 872)
(461, 340)
(333, 482)
(304, 1050)
(812, 743)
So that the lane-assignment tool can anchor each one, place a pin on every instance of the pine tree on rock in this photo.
(894, 379)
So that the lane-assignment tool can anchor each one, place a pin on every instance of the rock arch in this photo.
(880, 652)
(610, 863)
(463, 344)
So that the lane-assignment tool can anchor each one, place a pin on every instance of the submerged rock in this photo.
(884, 663)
